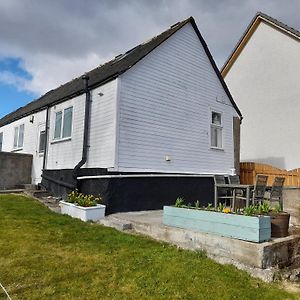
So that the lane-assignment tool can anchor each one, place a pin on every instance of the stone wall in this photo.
(291, 204)
(15, 169)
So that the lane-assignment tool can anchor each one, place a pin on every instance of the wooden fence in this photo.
(249, 170)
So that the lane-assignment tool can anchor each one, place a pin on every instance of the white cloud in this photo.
(61, 39)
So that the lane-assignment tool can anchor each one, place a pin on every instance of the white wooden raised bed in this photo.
(93, 213)
(249, 228)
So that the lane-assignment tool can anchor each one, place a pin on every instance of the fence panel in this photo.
(249, 170)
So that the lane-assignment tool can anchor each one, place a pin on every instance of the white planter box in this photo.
(93, 213)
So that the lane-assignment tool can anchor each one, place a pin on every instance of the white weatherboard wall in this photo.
(264, 81)
(165, 109)
(31, 140)
(103, 126)
(65, 154)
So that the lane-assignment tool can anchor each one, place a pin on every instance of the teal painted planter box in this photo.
(248, 228)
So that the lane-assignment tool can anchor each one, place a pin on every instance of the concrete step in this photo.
(116, 223)
(12, 191)
(27, 186)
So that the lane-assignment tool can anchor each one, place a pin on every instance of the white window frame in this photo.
(61, 138)
(19, 146)
(220, 127)
(42, 151)
(1, 141)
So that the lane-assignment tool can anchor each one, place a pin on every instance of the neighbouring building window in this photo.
(63, 123)
(1, 140)
(42, 143)
(216, 130)
(19, 136)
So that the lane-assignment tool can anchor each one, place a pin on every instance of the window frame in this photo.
(216, 126)
(60, 137)
(18, 145)
(44, 144)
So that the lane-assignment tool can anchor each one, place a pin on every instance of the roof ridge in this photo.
(259, 15)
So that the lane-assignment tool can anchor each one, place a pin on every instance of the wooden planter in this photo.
(93, 213)
(248, 228)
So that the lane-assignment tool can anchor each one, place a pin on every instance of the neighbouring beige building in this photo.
(263, 75)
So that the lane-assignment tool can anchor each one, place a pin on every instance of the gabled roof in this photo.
(259, 17)
(107, 72)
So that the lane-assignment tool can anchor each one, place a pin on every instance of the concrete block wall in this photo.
(15, 169)
(291, 204)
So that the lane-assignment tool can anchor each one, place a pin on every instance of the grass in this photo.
(44, 255)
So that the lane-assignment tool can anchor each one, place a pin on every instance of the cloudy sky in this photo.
(45, 43)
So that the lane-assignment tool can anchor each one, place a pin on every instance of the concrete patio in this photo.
(263, 260)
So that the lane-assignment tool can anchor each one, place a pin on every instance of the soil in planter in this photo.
(280, 224)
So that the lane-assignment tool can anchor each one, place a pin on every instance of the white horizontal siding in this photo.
(165, 109)
(103, 126)
(101, 153)
(66, 154)
(31, 140)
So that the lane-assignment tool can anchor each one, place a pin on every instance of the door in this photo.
(40, 152)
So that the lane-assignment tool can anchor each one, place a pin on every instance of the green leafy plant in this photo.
(209, 206)
(82, 199)
(250, 210)
(277, 208)
(220, 207)
(197, 204)
(263, 208)
(179, 202)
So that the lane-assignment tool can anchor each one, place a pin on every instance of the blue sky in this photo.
(11, 97)
(44, 44)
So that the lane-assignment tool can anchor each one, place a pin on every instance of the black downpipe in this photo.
(46, 138)
(86, 128)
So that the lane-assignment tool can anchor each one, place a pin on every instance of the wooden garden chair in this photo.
(258, 193)
(237, 193)
(275, 195)
(223, 192)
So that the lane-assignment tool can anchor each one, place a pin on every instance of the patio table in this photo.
(246, 187)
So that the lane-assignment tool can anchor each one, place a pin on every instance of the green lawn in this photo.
(44, 255)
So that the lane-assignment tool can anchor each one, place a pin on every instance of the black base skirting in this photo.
(135, 193)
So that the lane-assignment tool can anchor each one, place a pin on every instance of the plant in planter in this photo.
(220, 220)
(84, 207)
(279, 222)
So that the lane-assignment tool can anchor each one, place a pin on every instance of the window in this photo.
(42, 143)
(19, 137)
(1, 140)
(216, 130)
(63, 123)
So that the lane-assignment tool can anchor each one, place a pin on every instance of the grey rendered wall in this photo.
(15, 168)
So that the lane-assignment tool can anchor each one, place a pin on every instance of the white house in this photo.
(263, 75)
(160, 108)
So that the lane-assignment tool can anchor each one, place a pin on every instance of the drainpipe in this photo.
(46, 138)
(85, 79)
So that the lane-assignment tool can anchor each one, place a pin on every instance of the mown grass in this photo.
(44, 255)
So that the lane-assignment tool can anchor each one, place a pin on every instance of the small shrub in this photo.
(82, 199)
(277, 208)
(250, 210)
(179, 202)
(197, 204)
(209, 206)
(263, 208)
